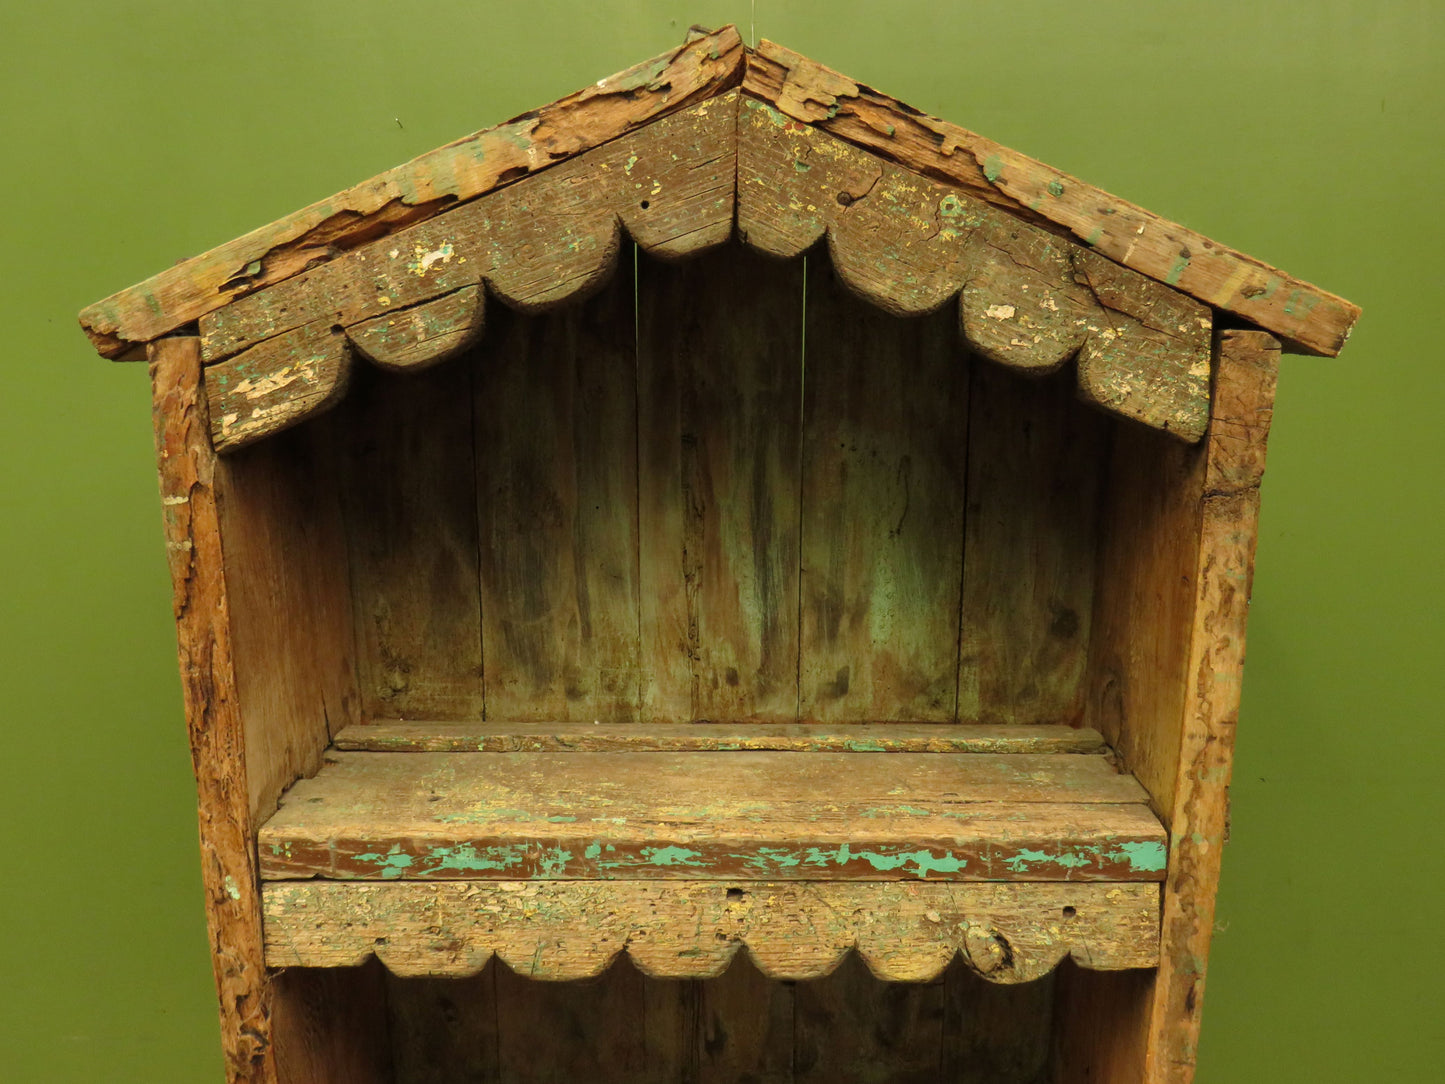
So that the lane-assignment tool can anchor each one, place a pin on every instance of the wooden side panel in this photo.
(1244, 404)
(885, 417)
(444, 1031)
(409, 484)
(850, 1028)
(719, 419)
(1034, 469)
(1102, 1026)
(331, 1026)
(556, 432)
(291, 618)
(745, 1027)
(995, 1034)
(187, 468)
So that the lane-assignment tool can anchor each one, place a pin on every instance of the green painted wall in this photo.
(1306, 132)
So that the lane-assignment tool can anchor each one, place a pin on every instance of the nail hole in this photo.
(1069, 912)
(736, 893)
(337, 329)
(844, 198)
(645, 205)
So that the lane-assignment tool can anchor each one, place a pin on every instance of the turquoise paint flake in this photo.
(392, 864)
(1056, 189)
(1145, 857)
(1026, 859)
(923, 862)
(992, 168)
(863, 745)
(1176, 269)
(671, 856)
(594, 850)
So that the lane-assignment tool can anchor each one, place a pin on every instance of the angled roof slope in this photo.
(684, 152)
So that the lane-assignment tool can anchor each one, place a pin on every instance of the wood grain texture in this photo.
(409, 492)
(444, 1031)
(276, 384)
(331, 1026)
(885, 419)
(1030, 300)
(290, 609)
(826, 816)
(424, 334)
(388, 737)
(1244, 403)
(1311, 320)
(719, 421)
(187, 468)
(745, 1027)
(996, 1034)
(1035, 460)
(423, 187)
(904, 932)
(556, 422)
(850, 1027)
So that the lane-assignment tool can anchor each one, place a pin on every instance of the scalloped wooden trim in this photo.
(276, 384)
(434, 182)
(1008, 933)
(1028, 299)
(1310, 319)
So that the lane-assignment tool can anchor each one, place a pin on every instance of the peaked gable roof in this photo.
(684, 151)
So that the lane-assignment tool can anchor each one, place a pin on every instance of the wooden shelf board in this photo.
(707, 815)
(450, 737)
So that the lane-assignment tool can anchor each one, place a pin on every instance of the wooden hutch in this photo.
(733, 541)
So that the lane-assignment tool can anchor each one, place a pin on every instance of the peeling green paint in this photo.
(1026, 859)
(992, 168)
(1143, 857)
(671, 856)
(1056, 189)
(1176, 269)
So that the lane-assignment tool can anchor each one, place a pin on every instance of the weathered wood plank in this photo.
(904, 931)
(885, 416)
(1034, 465)
(995, 1034)
(556, 422)
(290, 611)
(719, 419)
(423, 187)
(827, 816)
(276, 384)
(537, 242)
(187, 466)
(1032, 299)
(1308, 318)
(444, 1031)
(1244, 404)
(331, 1026)
(502, 737)
(424, 334)
(408, 486)
(745, 1027)
(851, 1028)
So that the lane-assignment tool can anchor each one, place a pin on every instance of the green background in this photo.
(1305, 132)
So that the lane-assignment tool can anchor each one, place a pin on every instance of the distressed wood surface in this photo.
(996, 1034)
(500, 737)
(556, 423)
(1034, 469)
(904, 932)
(424, 334)
(745, 1026)
(444, 1031)
(331, 1026)
(1244, 404)
(409, 496)
(719, 430)
(910, 245)
(187, 468)
(879, 816)
(1309, 319)
(536, 243)
(422, 188)
(276, 384)
(289, 607)
(882, 510)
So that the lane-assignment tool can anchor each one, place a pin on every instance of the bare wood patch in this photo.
(423, 335)
(420, 189)
(276, 384)
(1008, 933)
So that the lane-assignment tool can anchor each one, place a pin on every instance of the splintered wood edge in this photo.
(801, 737)
(699, 69)
(1007, 933)
(1309, 320)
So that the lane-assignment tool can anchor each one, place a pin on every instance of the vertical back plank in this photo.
(619, 1026)
(746, 1027)
(719, 427)
(884, 441)
(1036, 457)
(556, 429)
(851, 1028)
(412, 522)
(330, 1026)
(995, 1033)
(444, 1031)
